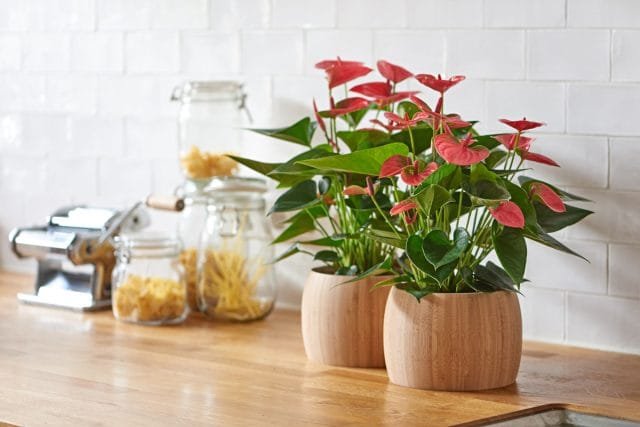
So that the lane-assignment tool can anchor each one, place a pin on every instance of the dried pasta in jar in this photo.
(202, 164)
(189, 261)
(150, 300)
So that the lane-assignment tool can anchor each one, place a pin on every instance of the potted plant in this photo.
(452, 320)
(342, 319)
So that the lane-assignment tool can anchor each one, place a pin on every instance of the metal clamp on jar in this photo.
(235, 278)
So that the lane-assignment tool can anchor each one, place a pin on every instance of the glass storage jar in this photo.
(148, 283)
(190, 226)
(235, 278)
(209, 125)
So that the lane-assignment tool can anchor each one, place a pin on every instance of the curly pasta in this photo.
(149, 299)
(201, 164)
(189, 260)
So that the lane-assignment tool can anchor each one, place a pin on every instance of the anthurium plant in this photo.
(409, 190)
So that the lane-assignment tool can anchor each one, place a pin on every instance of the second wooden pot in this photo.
(453, 342)
(342, 323)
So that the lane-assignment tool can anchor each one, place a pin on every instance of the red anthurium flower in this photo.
(400, 122)
(508, 214)
(459, 152)
(406, 207)
(438, 83)
(319, 119)
(388, 127)
(420, 103)
(411, 172)
(343, 72)
(346, 106)
(509, 141)
(381, 92)
(521, 125)
(330, 63)
(435, 120)
(547, 196)
(392, 72)
(356, 190)
(538, 158)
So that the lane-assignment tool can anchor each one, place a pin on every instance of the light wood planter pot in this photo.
(454, 342)
(342, 324)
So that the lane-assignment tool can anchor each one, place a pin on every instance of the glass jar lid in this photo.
(148, 244)
(237, 192)
(210, 91)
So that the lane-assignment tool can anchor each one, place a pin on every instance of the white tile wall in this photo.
(84, 88)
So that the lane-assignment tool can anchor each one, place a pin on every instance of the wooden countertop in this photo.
(60, 367)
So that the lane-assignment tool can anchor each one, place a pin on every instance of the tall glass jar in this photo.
(235, 278)
(148, 283)
(209, 126)
(190, 226)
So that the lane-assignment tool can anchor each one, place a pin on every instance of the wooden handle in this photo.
(166, 203)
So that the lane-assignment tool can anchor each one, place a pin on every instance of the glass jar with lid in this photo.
(235, 278)
(209, 125)
(190, 226)
(148, 283)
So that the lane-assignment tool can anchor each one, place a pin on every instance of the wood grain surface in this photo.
(66, 368)
(454, 342)
(342, 322)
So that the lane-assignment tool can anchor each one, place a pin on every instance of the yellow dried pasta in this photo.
(228, 286)
(202, 164)
(149, 299)
(189, 260)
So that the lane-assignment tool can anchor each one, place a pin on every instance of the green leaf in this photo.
(302, 223)
(537, 234)
(260, 167)
(315, 211)
(366, 162)
(551, 221)
(353, 119)
(495, 277)
(443, 172)
(526, 182)
(415, 252)
(486, 141)
(484, 186)
(495, 158)
(421, 138)
(520, 198)
(300, 132)
(362, 138)
(323, 241)
(439, 250)
(365, 203)
(417, 291)
(511, 250)
(300, 196)
(326, 256)
(392, 281)
(292, 250)
(433, 198)
(347, 271)
(292, 167)
(382, 267)
(380, 232)
(406, 107)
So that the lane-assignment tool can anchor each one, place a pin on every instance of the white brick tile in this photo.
(297, 93)
(46, 52)
(352, 45)
(22, 92)
(152, 52)
(174, 14)
(124, 178)
(536, 101)
(10, 133)
(372, 14)
(96, 135)
(136, 95)
(524, 13)
(124, 14)
(623, 270)
(298, 14)
(14, 16)
(71, 93)
(583, 160)
(490, 54)
(151, 138)
(615, 220)
(210, 53)
(229, 15)
(421, 52)
(66, 14)
(624, 158)
(548, 268)
(44, 133)
(273, 52)
(542, 314)
(21, 174)
(603, 109)
(561, 55)
(603, 322)
(166, 175)
(10, 52)
(101, 52)
(625, 56)
(466, 99)
(603, 13)
(444, 14)
(82, 184)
